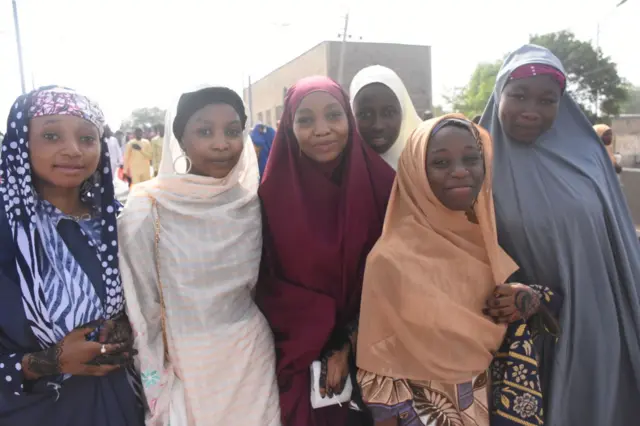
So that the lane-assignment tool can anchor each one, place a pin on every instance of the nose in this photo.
(377, 124)
(459, 171)
(72, 148)
(322, 128)
(220, 142)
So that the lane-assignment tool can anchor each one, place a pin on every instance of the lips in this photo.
(325, 146)
(69, 168)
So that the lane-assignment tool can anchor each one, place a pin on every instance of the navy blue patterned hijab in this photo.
(56, 293)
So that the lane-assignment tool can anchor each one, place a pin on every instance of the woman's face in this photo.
(64, 150)
(378, 115)
(321, 127)
(213, 140)
(455, 167)
(607, 137)
(528, 107)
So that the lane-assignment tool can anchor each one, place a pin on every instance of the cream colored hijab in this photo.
(410, 118)
(428, 277)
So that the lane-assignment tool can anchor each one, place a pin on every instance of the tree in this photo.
(143, 117)
(590, 75)
(632, 105)
(593, 78)
(472, 99)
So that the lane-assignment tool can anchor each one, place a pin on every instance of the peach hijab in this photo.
(428, 277)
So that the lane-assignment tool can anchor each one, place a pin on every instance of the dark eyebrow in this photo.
(440, 150)
(52, 121)
(235, 122)
(204, 120)
(333, 105)
(304, 111)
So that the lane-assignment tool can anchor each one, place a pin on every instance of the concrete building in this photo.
(626, 129)
(412, 63)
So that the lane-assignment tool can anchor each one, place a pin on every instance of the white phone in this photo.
(318, 401)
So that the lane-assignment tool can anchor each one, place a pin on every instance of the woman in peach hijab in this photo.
(606, 136)
(435, 310)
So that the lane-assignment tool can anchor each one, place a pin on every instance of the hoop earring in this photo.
(187, 159)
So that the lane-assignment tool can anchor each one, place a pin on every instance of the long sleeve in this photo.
(127, 159)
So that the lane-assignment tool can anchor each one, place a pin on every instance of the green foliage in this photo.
(591, 76)
(632, 104)
(472, 99)
(143, 118)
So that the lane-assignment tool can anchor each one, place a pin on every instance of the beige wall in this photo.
(631, 188)
(412, 63)
(627, 143)
(267, 94)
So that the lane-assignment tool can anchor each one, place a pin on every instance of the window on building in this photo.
(260, 120)
(268, 118)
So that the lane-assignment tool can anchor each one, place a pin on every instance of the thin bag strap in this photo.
(163, 311)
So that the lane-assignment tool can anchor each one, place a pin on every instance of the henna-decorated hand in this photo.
(334, 372)
(75, 355)
(512, 302)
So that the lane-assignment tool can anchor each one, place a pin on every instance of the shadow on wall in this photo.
(631, 187)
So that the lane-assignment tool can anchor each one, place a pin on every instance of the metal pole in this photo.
(598, 57)
(19, 45)
(343, 49)
(250, 102)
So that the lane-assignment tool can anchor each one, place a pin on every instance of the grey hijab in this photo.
(561, 215)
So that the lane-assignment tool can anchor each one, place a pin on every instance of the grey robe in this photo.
(562, 216)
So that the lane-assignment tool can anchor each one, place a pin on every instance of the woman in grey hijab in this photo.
(562, 216)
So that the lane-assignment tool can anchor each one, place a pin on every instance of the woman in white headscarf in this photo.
(384, 112)
(191, 246)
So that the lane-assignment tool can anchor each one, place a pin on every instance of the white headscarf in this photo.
(410, 118)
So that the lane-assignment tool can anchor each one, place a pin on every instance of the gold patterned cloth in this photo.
(426, 402)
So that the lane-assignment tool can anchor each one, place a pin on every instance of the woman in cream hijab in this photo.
(190, 252)
(435, 307)
(384, 112)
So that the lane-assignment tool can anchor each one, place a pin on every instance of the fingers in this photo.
(500, 302)
(499, 313)
(503, 290)
(323, 377)
(100, 370)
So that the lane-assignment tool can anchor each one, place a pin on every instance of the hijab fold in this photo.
(318, 233)
(429, 276)
(410, 118)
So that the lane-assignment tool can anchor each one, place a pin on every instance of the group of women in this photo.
(446, 273)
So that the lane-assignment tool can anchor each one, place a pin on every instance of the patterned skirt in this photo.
(425, 403)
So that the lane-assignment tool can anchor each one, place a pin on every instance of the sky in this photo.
(127, 54)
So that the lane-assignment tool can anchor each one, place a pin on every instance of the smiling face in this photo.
(213, 140)
(321, 127)
(64, 150)
(455, 167)
(378, 116)
(528, 107)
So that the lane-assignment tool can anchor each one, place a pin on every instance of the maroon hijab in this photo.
(318, 232)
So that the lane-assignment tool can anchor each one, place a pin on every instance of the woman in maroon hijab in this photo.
(324, 195)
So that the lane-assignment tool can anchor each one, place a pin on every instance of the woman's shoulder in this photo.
(135, 213)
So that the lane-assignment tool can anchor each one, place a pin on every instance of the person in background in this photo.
(195, 224)
(606, 136)
(137, 158)
(65, 340)
(324, 195)
(156, 147)
(262, 137)
(115, 152)
(385, 115)
(562, 216)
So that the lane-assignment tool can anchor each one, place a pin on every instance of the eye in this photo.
(389, 112)
(472, 159)
(204, 132)
(334, 115)
(548, 101)
(88, 139)
(50, 136)
(304, 120)
(232, 133)
(364, 115)
(440, 163)
(518, 96)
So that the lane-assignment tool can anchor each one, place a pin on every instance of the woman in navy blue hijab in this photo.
(65, 341)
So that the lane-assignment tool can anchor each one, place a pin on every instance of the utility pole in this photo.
(620, 3)
(343, 49)
(19, 45)
(250, 102)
